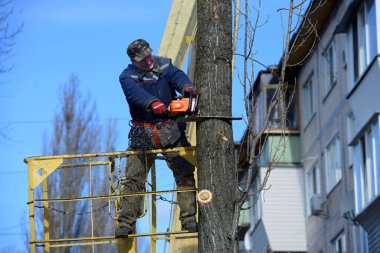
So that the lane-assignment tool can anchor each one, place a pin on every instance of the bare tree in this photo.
(77, 131)
(7, 34)
(283, 95)
(279, 106)
(7, 41)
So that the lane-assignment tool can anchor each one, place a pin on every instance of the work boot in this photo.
(190, 226)
(122, 230)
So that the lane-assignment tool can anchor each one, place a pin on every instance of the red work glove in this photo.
(158, 108)
(188, 89)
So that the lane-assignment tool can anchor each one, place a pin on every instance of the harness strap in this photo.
(156, 137)
(151, 125)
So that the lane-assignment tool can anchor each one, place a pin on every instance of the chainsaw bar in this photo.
(196, 118)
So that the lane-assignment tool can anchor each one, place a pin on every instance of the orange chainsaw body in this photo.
(183, 106)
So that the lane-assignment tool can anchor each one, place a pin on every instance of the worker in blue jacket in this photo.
(150, 83)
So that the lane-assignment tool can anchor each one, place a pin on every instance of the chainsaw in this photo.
(185, 109)
(183, 106)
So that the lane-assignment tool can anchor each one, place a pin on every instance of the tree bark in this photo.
(215, 147)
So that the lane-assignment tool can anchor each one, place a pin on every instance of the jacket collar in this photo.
(141, 73)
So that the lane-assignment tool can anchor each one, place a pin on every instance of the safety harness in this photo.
(155, 127)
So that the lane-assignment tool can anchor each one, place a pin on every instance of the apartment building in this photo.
(338, 88)
(277, 213)
(336, 71)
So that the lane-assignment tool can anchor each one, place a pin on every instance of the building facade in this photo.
(338, 90)
(337, 73)
(277, 206)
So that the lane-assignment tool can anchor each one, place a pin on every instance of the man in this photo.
(150, 84)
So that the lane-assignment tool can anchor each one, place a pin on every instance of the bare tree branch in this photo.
(7, 42)
(77, 131)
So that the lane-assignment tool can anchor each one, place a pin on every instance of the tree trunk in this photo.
(215, 147)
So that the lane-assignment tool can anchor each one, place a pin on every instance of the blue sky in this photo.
(86, 38)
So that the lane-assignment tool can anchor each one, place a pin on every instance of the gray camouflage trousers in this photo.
(136, 174)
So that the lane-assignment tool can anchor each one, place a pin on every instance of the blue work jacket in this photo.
(141, 88)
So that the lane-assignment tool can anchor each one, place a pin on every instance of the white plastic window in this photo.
(339, 244)
(363, 39)
(308, 103)
(333, 163)
(329, 64)
(367, 166)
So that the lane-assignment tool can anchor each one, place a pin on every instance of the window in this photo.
(291, 108)
(275, 117)
(279, 101)
(333, 163)
(350, 123)
(363, 39)
(339, 244)
(312, 184)
(308, 100)
(283, 114)
(371, 28)
(360, 238)
(256, 201)
(367, 165)
(329, 64)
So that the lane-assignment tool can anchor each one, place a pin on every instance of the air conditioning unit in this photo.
(316, 203)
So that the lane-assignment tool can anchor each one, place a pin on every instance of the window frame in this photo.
(329, 58)
(308, 100)
(288, 106)
(350, 129)
(361, 238)
(333, 175)
(363, 43)
(339, 240)
(367, 164)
